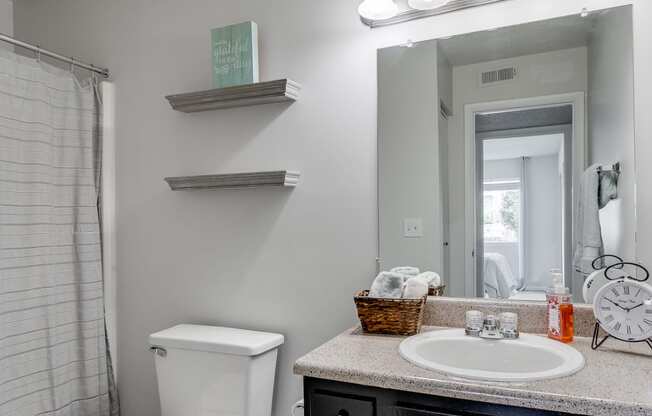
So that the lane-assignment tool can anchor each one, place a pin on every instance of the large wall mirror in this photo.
(506, 154)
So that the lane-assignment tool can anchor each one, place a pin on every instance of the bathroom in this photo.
(286, 262)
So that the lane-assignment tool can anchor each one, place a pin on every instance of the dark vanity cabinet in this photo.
(331, 398)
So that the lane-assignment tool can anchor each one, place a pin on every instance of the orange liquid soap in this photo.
(560, 311)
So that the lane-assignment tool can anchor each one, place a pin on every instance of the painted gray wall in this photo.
(7, 17)
(445, 90)
(259, 259)
(611, 112)
(264, 259)
(408, 156)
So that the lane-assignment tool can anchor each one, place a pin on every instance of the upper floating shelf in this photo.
(282, 90)
(280, 178)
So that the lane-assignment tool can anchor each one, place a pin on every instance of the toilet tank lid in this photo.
(216, 339)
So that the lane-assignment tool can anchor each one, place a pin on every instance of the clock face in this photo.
(624, 309)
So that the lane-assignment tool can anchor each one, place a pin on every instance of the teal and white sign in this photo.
(235, 55)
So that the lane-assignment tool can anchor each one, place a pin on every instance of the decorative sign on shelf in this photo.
(235, 55)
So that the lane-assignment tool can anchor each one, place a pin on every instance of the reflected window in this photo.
(502, 211)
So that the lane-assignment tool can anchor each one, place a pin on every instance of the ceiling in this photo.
(525, 146)
(526, 39)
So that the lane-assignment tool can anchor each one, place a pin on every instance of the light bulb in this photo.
(378, 9)
(427, 4)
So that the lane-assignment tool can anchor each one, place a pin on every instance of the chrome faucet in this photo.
(492, 327)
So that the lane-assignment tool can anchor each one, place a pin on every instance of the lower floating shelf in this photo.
(280, 178)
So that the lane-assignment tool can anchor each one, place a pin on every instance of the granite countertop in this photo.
(616, 381)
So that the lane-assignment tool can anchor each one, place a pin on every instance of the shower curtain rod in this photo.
(69, 60)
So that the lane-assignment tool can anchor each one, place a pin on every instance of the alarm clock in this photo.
(623, 307)
(597, 279)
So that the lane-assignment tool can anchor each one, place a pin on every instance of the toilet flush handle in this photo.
(160, 351)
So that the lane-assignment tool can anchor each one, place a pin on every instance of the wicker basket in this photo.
(389, 316)
(436, 291)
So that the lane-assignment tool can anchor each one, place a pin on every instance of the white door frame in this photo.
(576, 99)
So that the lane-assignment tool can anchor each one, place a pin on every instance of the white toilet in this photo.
(215, 371)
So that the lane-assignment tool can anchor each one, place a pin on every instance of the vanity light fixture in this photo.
(378, 13)
(427, 4)
(378, 9)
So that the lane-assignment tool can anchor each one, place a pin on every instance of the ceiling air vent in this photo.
(497, 76)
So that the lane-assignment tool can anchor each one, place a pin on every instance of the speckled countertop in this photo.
(616, 381)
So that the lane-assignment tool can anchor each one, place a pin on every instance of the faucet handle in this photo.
(509, 324)
(474, 322)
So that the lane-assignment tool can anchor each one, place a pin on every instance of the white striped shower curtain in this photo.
(53, 348)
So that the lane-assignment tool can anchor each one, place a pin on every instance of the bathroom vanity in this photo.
(357, 374)
(328, 398)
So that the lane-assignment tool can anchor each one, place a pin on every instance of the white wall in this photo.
(611, 129)
(7, 17)
(408, 156)
(541, 74)
(230, 258)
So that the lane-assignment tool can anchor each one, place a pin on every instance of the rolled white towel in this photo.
(387, 285)
(415, 287)
(408, 271)
(433, 279)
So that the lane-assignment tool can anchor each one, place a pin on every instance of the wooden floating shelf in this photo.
(282, 90)
(279, 178)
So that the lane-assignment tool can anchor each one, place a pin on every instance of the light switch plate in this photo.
(413, 227)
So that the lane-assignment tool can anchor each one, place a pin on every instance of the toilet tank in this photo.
(215, 371)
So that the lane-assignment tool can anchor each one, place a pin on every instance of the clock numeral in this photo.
(617, 326)
(648, 311)
(609, 318)
(641, 328)
(615, 292)
(605, 308)
(647, 321)
(629, 330)
(638, 293)
(626, 290)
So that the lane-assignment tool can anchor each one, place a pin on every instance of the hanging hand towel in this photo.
(587, 224)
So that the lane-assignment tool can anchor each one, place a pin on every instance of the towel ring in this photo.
(623, 264)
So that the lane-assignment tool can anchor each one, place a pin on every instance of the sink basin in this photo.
(528, 358)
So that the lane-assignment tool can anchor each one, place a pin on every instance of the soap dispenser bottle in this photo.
(560, 310)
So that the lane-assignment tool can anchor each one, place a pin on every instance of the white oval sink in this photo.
(528, 358)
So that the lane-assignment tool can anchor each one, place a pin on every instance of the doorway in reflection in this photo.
(522, 200)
